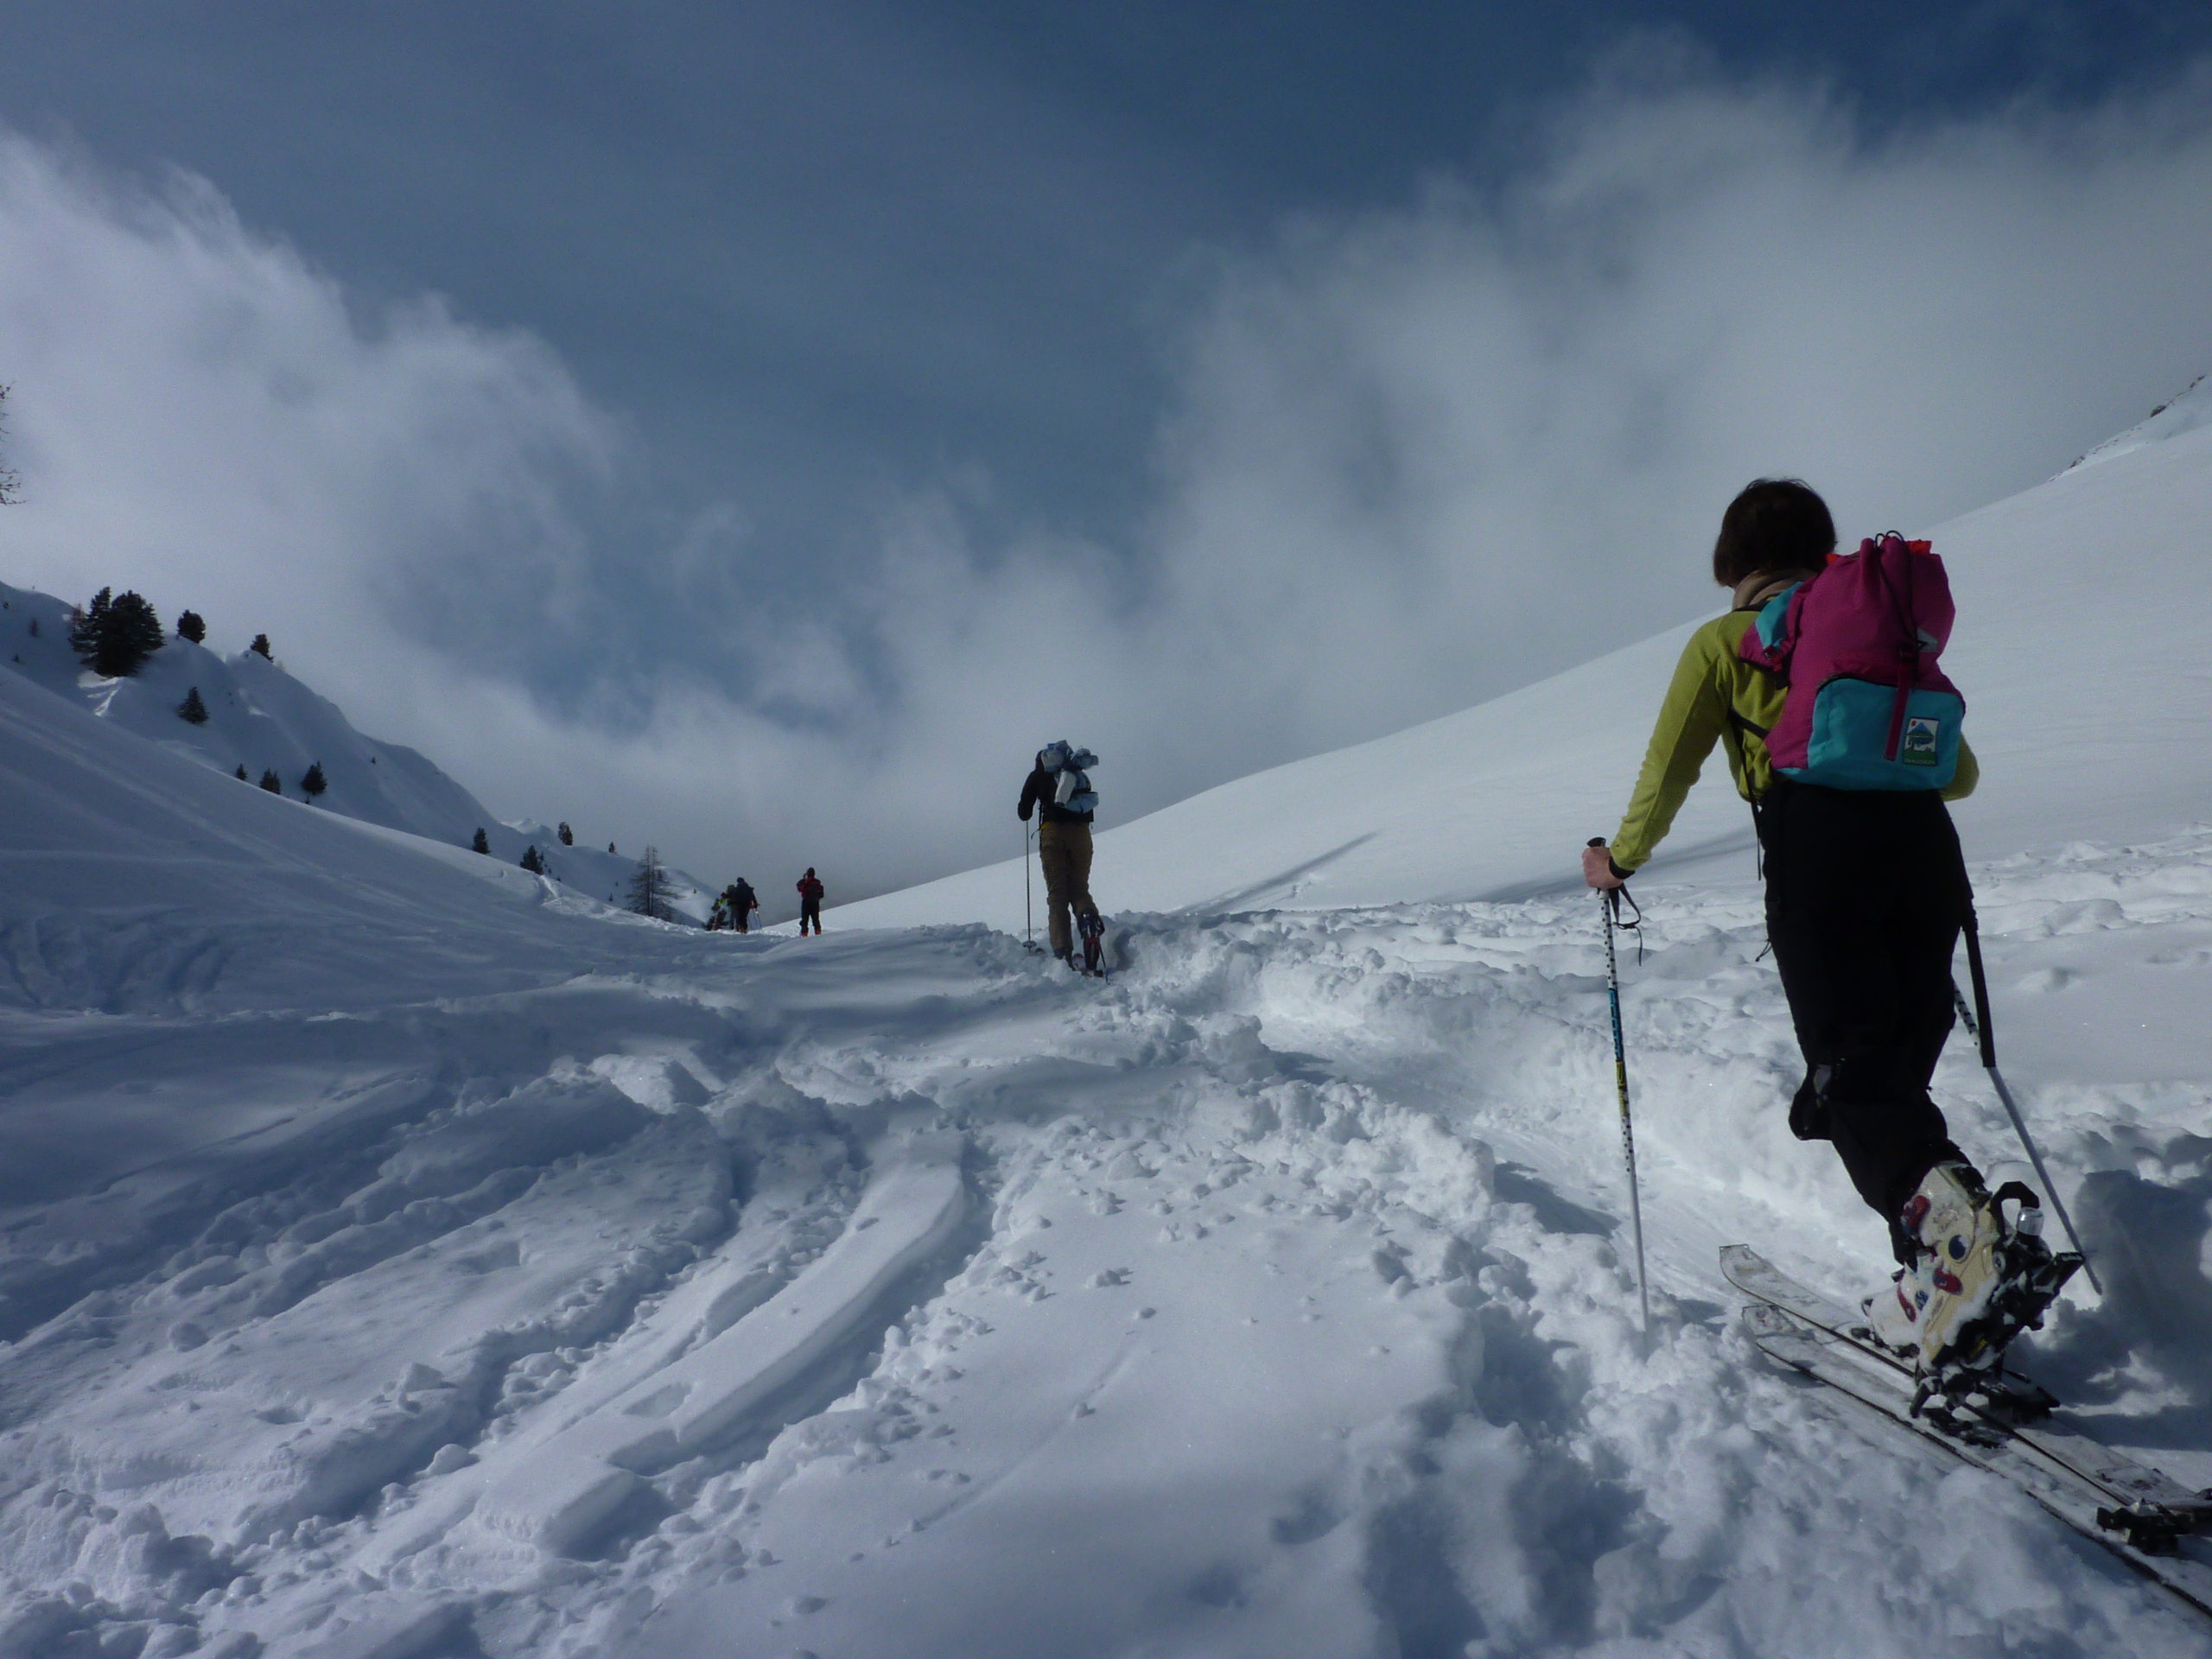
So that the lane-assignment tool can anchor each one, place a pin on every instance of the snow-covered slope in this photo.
(401, 1256)
(2187, 413)
(261, 718)
(2082, 608)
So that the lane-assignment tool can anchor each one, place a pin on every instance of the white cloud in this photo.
(1418, 456)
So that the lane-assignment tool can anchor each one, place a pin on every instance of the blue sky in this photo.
(862, 306)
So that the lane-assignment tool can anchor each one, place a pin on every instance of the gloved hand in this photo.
(1599, 868)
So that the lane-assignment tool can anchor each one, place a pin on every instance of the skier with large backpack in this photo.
(1059, 791)
(1822, 685)
(739, 901)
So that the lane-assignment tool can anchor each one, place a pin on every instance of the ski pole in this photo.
(1980, 1030)
(1028, 923)
(1609, 910)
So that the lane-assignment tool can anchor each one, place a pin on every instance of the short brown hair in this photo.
(1775, 524)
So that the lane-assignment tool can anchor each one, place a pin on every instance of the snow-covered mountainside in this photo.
(2082, 605)
(403, 1255)
(263, 718)
(2186, 413)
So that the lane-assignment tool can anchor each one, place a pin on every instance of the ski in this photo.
(2146, 1505)
(2059, 1490)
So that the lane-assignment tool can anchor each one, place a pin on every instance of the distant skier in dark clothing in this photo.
(810, 902)
(1059, 792)
(742, 901)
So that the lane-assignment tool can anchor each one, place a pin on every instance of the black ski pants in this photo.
(1866, 892)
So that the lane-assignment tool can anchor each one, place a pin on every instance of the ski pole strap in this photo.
(1613, 897)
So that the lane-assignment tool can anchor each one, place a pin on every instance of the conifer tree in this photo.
(649, 887)
(242, 777)
(88, 622)
(192, 709)
(189, 625)
(270, 782)
(567, 835)
(115, 633)
(315, 782)
(482, 843)
(610, 846)
(8, 482)
(260, 646)
(530, 860)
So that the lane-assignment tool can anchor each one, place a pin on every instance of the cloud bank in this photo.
(1416, 457)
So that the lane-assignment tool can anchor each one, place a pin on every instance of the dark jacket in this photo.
(1038, 793)
(810, 890)
(745, 897)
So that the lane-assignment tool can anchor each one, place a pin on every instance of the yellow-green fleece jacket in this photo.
(1716, 696)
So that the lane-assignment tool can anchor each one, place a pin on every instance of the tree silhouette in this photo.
(531, 862)
(649, 887)
(315, 782)
(10, 484)
(115, 633)
(192, 709)
(190, 625)
(482, 843)
(260, 647)
(241, 772)
(273, 784)
(567, 835)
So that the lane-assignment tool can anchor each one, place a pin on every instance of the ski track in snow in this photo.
(895, 1294)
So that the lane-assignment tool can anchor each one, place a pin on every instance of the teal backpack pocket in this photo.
(1850, 749)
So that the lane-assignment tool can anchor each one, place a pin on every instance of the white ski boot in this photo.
(1979, 1280)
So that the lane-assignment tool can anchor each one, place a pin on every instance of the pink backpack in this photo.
(1867, 706)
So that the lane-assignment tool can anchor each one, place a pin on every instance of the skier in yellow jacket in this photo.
(1867, 891)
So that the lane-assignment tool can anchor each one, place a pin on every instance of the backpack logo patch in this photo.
(1916, 746)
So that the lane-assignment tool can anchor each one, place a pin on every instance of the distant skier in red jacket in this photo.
(810, 902)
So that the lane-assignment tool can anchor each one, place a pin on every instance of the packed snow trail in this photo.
(1271, 1298)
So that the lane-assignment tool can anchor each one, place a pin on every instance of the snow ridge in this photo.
(263, 718)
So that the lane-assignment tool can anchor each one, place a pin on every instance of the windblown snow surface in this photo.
(405, 1256)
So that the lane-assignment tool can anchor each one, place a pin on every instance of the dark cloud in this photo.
(833, 405)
